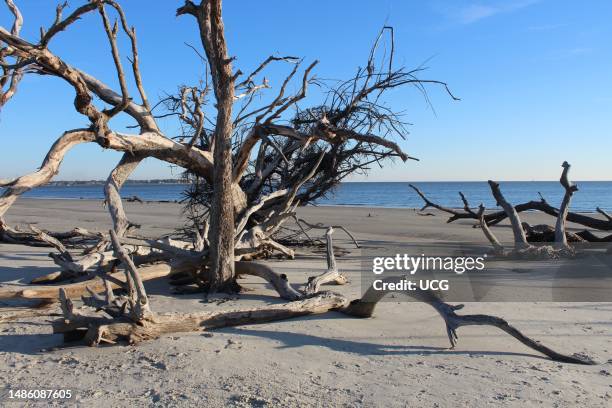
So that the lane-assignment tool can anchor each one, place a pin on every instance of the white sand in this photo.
(398, 358)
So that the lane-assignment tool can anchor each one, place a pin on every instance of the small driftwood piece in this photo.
(570, 189)
(301, 221)
(332, 274)
(497, 247)
(520, 240)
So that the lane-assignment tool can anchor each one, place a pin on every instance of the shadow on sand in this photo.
(364, 348)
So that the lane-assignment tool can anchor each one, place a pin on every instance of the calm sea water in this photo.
(591, 194)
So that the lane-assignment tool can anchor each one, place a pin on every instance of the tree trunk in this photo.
(221, 273)
(222, 216)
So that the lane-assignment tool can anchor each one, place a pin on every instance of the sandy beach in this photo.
(398, 358)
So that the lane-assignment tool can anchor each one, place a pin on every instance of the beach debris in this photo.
(139, 323)
(540, 233)
(134, 199)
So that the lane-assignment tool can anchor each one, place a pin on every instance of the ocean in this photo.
(591, 194)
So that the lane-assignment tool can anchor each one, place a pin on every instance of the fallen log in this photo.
(75, 290)
(112, 331)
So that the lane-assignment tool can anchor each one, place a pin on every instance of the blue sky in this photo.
(534, 78)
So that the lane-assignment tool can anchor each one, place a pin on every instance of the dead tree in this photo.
(279, 159)
(525, 234)
(251, 169)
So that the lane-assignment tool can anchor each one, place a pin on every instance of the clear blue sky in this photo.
(535, 79)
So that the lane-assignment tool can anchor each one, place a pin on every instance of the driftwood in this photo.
(134, 199)
(75, 290)
(135, 327)
(76, 238)
(364, 307)
(101, 330)
(300, 221)
(332, 274)
(132, 320)
(542, 205)
(517, 228)
(522, 247)
(497, 247)
(570, 189)
(546, 233)
(523, 232)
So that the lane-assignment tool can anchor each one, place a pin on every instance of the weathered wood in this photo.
(520, 230)
(307, 155)
(212, 35)
(126, 166)
(520, 240)
(255, 240)
(279, 282)
(321, 302)
(11, 77)
(570, 189)
(48, 169)
(256, 207)
(160, 324)
(431, 204)
(151, 142)
(139, 301)
(55, 243)
(326, 227)
(365, 306)
(75, 290)
(103, 261)
(496, 217)
(332, 274)
(497, 247)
